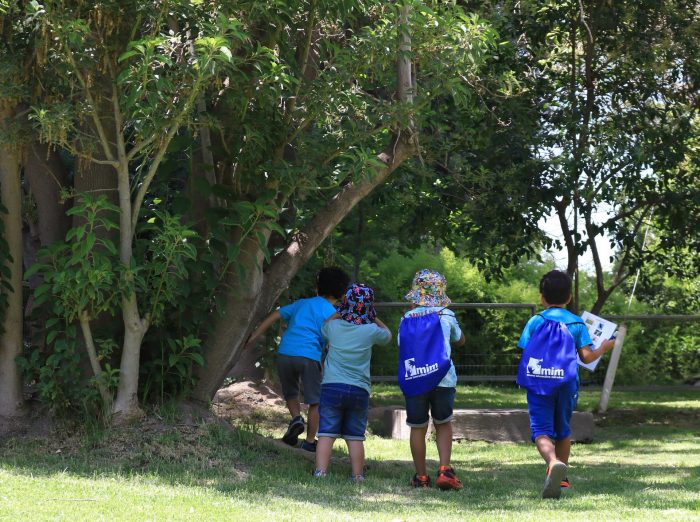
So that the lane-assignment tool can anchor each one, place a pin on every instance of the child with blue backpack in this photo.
(427, 376)
(549, 372)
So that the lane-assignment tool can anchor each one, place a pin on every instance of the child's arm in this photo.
(380, 324)
(267, 322)
(589, 355)
(459, 342)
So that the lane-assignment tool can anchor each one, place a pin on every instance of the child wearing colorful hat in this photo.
(345, 388)
(428, 295)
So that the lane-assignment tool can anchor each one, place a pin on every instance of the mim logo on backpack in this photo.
(423, 360)
(534, 368)
(549, 359)
(413, 372)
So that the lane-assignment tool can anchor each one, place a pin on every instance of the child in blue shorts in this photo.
(428, 295)
(346, 379)
(550, 415)
(299, 352)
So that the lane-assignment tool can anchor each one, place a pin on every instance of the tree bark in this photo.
(11, 337)
(126, 405)
(47, 176)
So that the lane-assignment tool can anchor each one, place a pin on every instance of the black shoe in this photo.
(309, 446)
(295, 428)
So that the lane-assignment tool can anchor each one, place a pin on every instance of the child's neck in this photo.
(332, 300)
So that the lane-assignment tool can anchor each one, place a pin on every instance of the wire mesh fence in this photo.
(658, 349)
(491, 333)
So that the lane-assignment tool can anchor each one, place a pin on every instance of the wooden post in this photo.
(612, 369)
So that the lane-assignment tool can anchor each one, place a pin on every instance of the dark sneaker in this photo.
(357, 479)
(552, 483)
(318, 473)
(446, 479)
(295, 428)
(565, 484)
(309, 446)
(420, 481)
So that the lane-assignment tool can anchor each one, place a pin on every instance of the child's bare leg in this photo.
(312, 423)
(443, 437)
(356, 450)
(323, 452)
(563, 449)
(418, 449)
(546, 447)
(294, 407)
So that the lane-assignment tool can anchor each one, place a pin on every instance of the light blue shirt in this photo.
(450, 332)
(304, 319)
(350, 351)
(561, 315)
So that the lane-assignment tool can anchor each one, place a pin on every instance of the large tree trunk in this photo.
(47, 176)
(247, 303)
(11, 336)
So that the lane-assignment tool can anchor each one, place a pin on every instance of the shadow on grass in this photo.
(269, 474)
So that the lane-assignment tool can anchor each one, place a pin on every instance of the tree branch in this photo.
(93, 112)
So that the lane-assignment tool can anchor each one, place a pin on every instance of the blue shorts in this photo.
(343, 411)
(550, 415)
(440, 401)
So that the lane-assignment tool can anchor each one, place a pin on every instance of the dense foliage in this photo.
(183, 161)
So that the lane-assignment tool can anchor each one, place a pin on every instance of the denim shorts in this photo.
(343, 411)
(550, 415)
(292, 369)
(439, 401)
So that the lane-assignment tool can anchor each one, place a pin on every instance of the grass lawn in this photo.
(644, 465)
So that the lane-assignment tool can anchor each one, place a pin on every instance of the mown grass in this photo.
(637, 469)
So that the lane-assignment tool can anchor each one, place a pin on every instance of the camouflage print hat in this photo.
(428, 289)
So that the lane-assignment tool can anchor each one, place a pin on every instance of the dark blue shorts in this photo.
(550, 415)
(343, 411)
(439, 401)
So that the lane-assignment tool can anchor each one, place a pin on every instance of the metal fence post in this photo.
(612, 369)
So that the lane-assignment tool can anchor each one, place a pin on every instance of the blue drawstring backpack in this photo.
(549, 359)
(423, 359)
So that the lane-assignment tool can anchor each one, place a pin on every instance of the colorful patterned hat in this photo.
(357, 306)
(428, 289)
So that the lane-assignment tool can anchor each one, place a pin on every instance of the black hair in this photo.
(332, 281)
(555, 287)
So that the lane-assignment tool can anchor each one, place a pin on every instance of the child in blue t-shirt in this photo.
(550, 415)
(299, 353)
(346, 380)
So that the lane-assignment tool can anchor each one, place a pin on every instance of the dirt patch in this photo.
(251, 402)
(35, 422)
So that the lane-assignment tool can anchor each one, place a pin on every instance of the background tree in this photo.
(261, 124)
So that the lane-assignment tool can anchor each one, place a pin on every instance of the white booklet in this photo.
(599, 330)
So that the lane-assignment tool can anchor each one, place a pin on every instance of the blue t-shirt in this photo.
(304, 319)
(450, 332)
(350, 351)
(561, 315)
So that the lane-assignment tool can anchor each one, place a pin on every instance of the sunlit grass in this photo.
(646, 471)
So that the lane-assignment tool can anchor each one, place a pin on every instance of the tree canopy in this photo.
(178, 163)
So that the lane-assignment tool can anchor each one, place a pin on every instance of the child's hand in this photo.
(608, 344)
(250, 343)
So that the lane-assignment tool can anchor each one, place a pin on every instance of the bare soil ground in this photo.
(251, 402)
